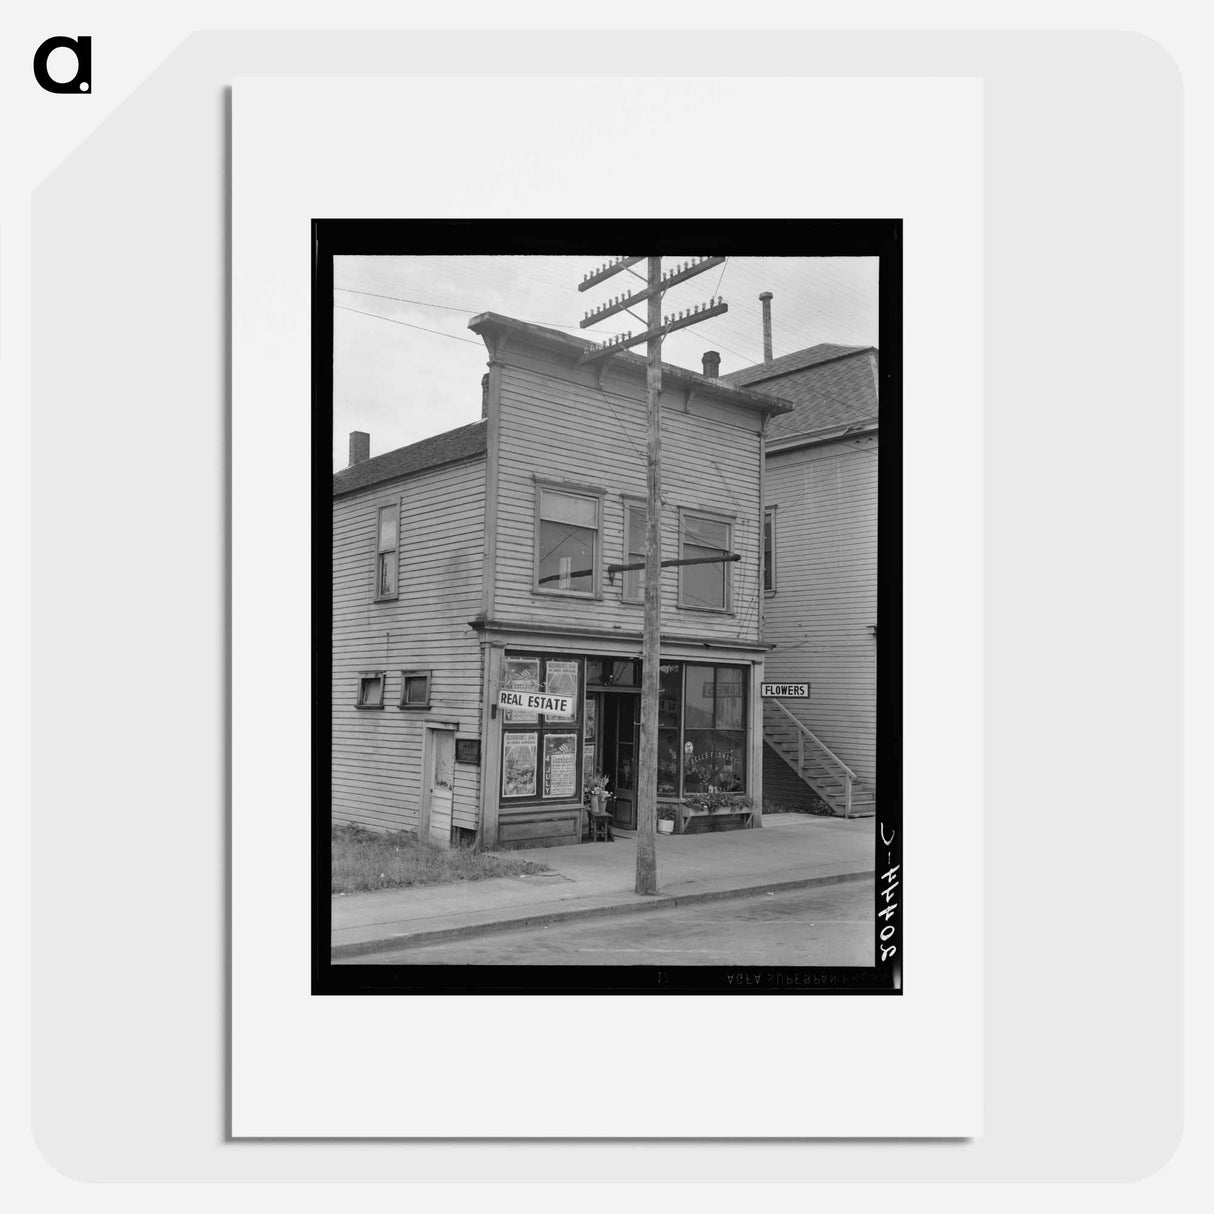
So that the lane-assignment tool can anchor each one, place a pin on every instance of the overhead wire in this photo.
(426, 303)
(407, 325)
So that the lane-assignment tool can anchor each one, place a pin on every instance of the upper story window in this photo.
(635, 521)
(387, 551)
(769, 550)
(567, 540)
(704, 586)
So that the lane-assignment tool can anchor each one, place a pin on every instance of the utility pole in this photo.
(651, 645)
(656, 327)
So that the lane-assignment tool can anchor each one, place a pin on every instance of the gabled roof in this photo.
(447, 448)
(830, 387)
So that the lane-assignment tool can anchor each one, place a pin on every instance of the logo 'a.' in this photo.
(82, 48)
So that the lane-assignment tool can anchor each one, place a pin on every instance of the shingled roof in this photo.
(447, 448)
(809, 357)
(828, 385)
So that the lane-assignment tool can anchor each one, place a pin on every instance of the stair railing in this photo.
(803, 732)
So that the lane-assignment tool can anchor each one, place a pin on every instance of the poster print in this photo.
(521, 674)
(553, 648)
(589, 747)
(518, 765)
(562, 680)
(560, 765)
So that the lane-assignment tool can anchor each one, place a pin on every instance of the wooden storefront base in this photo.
(540, 827)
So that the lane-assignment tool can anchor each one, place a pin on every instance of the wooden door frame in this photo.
(429, 729)
(634, 741)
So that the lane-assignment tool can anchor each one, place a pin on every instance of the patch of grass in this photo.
(365, 860)
(811, 803)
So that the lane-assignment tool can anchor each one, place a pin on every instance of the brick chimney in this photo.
(485, 395)
(765, 300)
(712, 364)
(360, 447)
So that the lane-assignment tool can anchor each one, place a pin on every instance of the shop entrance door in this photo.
(621, 726)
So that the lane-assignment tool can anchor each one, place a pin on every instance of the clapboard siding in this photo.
(820, 618)
(377, 753)
(565, 427)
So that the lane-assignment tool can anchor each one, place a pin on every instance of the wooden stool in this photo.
(600, 827)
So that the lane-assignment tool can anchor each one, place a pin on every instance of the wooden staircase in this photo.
(816, 764)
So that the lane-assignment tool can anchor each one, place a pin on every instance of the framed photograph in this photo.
(510, 523)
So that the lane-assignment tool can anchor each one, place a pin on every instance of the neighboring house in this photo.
(820, 578)
(479, 562)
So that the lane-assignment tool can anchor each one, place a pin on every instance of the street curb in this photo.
(387, 944)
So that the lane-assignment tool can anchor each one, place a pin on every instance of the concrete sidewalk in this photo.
(788, 851)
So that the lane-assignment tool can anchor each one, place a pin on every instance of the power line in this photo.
(426, 303)
(407, 325)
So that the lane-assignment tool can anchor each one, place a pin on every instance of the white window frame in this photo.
(631, 547)
(381, 552)
(687, 515)
(569, 489)
(769, 515)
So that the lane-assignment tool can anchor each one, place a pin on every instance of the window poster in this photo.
(518, 764)
(521, 674)
(562, 681)
(560, 765)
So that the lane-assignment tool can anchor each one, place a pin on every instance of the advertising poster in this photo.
(521, 674)
(560, 765)
(518, 765)
(562, 681)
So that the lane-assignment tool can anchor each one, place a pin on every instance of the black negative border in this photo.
(881, 238)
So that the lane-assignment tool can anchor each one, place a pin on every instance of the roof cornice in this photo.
(490, 326)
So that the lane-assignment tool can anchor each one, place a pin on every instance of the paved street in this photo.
(822, 925)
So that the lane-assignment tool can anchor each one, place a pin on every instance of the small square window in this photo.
(371, 689)
(415, 689)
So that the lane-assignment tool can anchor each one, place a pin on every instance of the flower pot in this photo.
(665, 826)
(596, 802)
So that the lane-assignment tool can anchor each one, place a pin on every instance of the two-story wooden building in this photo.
(479, 561)
(820, 572)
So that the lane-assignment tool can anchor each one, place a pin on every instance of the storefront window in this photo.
(670, 700)
(714, 736)
(542, 752)
(702, 728)
(623, 673)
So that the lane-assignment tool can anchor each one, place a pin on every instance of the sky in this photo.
(406, 366)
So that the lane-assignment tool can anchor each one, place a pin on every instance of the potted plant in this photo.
(596, 790)
(666, 816)
(730, 803)
(714, 803)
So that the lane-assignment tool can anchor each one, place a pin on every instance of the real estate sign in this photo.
(536, 701)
